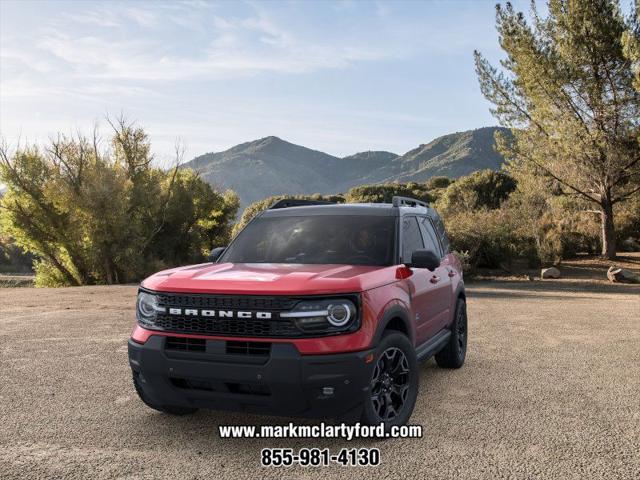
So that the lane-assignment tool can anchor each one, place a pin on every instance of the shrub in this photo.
(12, 258)
(92, 216)
(438, 182)
(482, 189)
(489, 239)
(383, 193)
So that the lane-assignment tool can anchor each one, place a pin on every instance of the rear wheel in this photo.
(453, 355)
(394, 383)
(168, 409)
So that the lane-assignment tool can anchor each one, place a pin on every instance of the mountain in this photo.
(272, 166)
(354, 166)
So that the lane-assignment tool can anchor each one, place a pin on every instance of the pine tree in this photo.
(566, 89)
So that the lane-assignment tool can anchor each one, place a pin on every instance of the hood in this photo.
(268, 278)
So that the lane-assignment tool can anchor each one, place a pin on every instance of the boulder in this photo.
(621, 275)
(630, 245)
(551, 272)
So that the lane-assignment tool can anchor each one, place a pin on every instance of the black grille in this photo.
(234, 302)
(250, 327)
(248, 348)
(208, 386)
(238, 327)
(186, 344)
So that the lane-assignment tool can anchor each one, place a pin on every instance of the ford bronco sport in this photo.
(315, 309)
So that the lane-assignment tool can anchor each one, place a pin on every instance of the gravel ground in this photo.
(550, 390)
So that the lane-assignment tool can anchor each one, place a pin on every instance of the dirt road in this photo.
(551, 389)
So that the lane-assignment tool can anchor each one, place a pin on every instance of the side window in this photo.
(444, 240)
(429, 235)
(411, 238)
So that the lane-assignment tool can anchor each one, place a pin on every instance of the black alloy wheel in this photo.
(390, 384)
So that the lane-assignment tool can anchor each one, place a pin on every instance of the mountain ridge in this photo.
(273, 166)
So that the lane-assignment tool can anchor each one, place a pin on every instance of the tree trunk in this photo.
(608, 230)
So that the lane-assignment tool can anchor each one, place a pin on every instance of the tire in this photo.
(392, 396)
(168, 409)
(454, 353)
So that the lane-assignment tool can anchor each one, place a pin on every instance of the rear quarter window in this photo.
(442, 233)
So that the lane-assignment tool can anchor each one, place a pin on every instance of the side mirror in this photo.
(424, 259)
(215, 254)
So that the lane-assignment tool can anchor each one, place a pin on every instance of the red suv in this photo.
(318, 310)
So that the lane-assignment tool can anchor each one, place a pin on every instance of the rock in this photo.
(551, 272)
(621, 275)
(630, 245)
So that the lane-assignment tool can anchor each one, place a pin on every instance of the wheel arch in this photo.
(396, 318)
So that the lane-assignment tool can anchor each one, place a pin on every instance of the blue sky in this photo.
(340, 76)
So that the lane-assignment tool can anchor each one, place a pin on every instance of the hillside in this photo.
(452, 156)
(271, 166)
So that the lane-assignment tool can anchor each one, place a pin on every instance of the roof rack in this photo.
(298, 202)
(408, 202)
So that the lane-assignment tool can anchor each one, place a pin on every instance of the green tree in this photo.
(631, 41)
(481, 189)
(383, 193)
(566, 89)
(107, 216)
(438, 182)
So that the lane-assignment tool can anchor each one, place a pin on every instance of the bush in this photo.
(465, 261)
(489, 239)
(435, 183)
(92, 216)
(13, 259)
(383, 193)
(482, 189)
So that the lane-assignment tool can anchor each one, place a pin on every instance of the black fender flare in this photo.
(394, 311)
(460, 291)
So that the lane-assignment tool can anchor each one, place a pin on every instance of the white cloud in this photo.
(163, 62)
(250, 45)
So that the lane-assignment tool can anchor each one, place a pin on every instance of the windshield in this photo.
(352, 240)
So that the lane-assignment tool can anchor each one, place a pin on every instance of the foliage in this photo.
(631, 43)
(383, 193)
(464, 257)
(567, 92)
(92, 216)
(438, 182)
(12, 258)
(489, 237)
(256, 207)
(482, 189)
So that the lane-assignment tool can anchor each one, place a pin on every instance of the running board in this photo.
(433, 345)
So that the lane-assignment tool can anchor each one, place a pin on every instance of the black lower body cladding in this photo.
(276, 380)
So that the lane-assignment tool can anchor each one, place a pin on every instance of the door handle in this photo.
(452, 273)
(435, 279)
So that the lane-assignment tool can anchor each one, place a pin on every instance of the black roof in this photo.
(356, 209)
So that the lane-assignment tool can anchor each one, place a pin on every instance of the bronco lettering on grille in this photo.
(194, 312)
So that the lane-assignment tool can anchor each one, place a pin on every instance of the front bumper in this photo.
(280, 383)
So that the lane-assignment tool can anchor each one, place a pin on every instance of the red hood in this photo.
(270, 278)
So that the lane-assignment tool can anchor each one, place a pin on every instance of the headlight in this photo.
(148, 309)
(324, 315)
